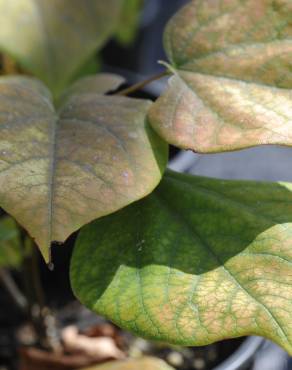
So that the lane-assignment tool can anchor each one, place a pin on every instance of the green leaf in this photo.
(129, 21)
(91, 67)
(52, 39)
(60, 170)
(10, 251)
(199, 260)
(232, 65)
(146, 363)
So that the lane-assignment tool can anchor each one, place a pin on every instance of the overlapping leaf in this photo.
(60, 170)
(199, 260)
(54, 38)
(232, 64)
(146, 363)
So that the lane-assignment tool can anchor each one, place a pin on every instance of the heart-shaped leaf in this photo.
(199, 260)
(232, 62)
(60, 170)
(54, 38)
(146, 363)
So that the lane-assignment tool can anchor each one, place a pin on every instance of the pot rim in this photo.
(244, 354)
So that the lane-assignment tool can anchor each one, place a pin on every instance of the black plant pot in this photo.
(243, 357)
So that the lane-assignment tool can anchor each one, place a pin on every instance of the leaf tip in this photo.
(51, 266)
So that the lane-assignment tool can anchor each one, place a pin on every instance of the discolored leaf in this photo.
(10, 251)
(146, 363)
(199, 260)
(52, 39)
(232, 65)
(60, 170)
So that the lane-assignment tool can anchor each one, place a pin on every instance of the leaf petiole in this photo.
(140, 85)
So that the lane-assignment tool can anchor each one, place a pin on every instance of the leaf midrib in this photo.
(51, 181)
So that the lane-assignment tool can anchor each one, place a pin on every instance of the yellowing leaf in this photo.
(54, 38)
(146, 363)
(197, 261)
(60, 170)
(232, 62)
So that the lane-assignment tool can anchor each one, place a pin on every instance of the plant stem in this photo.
(26, 268)
(13, 290)
(32, 283)
(140, 85)
(36, 279)
(45, 320)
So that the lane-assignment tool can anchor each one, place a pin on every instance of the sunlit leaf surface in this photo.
(199, 260)
(232, 65)
(54, 38)
(60, 170)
